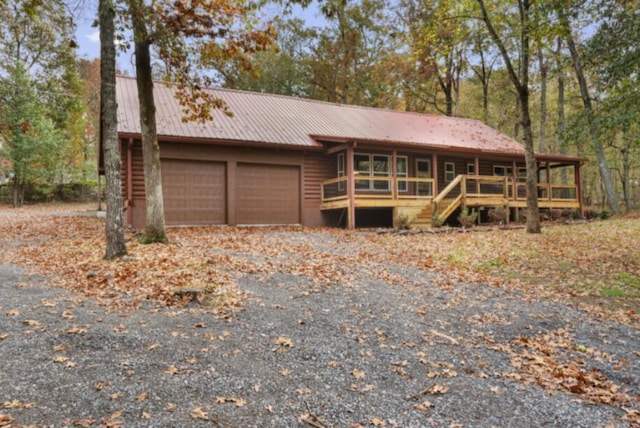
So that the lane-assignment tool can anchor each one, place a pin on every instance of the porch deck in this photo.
(415, 197)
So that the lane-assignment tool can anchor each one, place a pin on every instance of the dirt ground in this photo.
(384, 344)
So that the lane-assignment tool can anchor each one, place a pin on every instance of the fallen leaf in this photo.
(284, 341)
(77, 330)
(424, 406)
(4, 336)
(145, 415)
(285, 372)
(142, 396)
(377, 422)
(84, 423)
(171, 407)
(437, 389)
(198, 413)
(333, 363)
(14, 404)
(33, 323)
(99, 386)
(68, 315)
(5, 420)
(172, 370)
(154, 346)
(358, 374)
(60, 359)
(13, 313)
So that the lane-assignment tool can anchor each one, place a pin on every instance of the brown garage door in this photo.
(267, 194)
(194, 192)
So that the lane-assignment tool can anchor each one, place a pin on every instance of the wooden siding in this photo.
(317, 168)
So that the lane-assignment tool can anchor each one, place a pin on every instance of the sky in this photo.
(88, 37)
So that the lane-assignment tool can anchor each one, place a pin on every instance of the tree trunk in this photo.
(155, 226)
(564, 179)
(109, 132)
(543, 101)
(610, 191)
(520, 80)
(533, 211)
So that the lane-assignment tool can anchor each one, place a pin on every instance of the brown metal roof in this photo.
(280, 120)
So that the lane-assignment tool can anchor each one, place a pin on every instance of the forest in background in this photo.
(425, 56)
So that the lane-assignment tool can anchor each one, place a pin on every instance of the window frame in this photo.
(371, 184)
(449, 173)
(341, 166)
(403, 186)
(507, 170)
(471, 168)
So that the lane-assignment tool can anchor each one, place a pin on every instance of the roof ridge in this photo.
(312, 101)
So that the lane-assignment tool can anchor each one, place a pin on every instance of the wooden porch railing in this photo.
(462, 190)
(378, 187)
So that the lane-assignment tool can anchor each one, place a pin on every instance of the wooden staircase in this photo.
(446, 207)
(442, 205)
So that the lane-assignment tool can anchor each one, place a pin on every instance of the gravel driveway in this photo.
(367, 353)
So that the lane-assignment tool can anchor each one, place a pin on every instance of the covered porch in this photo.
(428, 187)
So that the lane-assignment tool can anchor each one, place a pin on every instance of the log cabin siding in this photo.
(317, 168)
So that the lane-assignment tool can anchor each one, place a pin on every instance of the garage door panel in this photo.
(267, 194)
(194, 192)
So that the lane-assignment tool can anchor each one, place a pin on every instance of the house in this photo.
(286, 160)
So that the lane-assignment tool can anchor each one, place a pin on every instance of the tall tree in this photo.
(109, 132)
(30, 140)
(154, 226)
(36, 45)
(518, 65)
(613, 201)
(189, 35)
(437, 42)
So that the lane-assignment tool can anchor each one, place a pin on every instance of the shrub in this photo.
(468, 218)
(402, 222)
(498, 214)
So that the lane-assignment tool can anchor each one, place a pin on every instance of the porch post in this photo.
(394, 174)
(514, 180)
(578, 177)
(476, 169)
(549, 195)
(434, 167)
(351, 189)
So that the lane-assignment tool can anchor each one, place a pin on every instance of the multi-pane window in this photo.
(502, 170)
(471, 169)
(402, 170)
(341, 170)
(449, 171)
(372, 165)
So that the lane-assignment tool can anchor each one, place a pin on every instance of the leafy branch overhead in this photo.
(195, 39)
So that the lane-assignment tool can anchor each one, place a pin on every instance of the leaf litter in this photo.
(569, 264)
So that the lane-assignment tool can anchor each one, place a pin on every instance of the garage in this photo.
(267, 194)
(194, 192)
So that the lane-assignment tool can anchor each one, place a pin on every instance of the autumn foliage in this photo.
(592, 265)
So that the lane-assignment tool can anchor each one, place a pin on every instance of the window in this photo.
(423, 170)
(370, 165)
(341, 171)
(502, 170)
(402, 170)
(449, 171)
(471, 168)
(522, 175)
